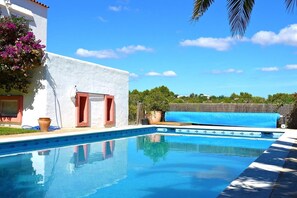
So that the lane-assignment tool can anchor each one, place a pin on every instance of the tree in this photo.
(292, 122)
(281, 98)
(158, 99)
(134, 97)
(239, 12)
(20, 53)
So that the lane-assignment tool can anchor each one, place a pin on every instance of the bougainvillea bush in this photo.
(20, 53)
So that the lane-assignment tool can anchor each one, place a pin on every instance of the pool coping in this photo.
(258, 180)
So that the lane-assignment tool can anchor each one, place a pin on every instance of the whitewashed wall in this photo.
(35, 100)
(63, 73)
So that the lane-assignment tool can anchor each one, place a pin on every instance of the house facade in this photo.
(73, 93)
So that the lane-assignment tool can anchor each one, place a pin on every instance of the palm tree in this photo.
(239, 12)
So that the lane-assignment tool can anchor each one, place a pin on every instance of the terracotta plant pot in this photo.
(154, 116)
(44, 124)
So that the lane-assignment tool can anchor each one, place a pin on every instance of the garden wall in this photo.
(284, 110)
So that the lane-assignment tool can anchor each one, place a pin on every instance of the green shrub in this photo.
(292, 122)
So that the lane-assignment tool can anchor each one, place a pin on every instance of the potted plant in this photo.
(155, 103)
(44, 123)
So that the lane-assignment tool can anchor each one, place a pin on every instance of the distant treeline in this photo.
(243, 97)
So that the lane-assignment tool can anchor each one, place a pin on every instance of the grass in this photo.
(11, 131)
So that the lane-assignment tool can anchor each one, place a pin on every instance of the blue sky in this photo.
(159, 45)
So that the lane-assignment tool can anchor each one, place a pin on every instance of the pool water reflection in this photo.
(143, 166)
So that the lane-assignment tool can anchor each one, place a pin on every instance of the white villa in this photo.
(73, 93)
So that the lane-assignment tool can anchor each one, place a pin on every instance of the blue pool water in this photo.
(142, 166)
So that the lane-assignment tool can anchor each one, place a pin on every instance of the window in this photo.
(82, 110)
(81, 155)
(109, 111)
(108, 149)
(11, 109)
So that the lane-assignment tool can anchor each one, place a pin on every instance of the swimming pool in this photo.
(120, 164)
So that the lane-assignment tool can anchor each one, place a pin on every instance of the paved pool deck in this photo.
(273, 174)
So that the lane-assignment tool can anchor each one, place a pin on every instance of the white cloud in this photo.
(102, 19)
(169, 73)
(219, 44)
(133, 75)
(134, 48)
(286, 36)
(109, 53)
(165, 74)
(264, 38)
(153, 74)
(115, 8)
(291, 67)
(101, 54)
(269, 69)
(231, 70)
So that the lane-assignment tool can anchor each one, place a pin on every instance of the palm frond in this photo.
(200, 7)
(291, 5)
(239, 12)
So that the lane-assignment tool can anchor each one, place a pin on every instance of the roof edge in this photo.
(39, 3)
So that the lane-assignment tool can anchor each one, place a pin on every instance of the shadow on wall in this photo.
(36, 85)
(38, 75)
(53, 85)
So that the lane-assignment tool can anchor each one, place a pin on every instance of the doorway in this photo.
(82, 110)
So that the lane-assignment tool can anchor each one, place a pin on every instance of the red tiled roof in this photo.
(40, 3)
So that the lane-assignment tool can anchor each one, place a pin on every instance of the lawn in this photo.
(11, 130)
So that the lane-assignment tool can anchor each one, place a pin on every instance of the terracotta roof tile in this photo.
(40, 3)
